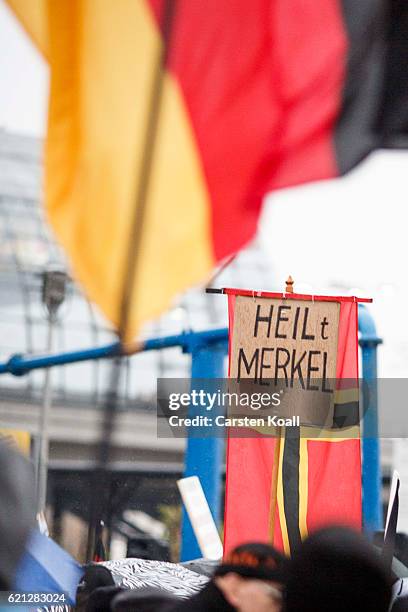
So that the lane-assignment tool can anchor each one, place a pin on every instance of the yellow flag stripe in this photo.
(346, 396)
(274, 489)
(331, 435)
(110, 137)
(281, 505)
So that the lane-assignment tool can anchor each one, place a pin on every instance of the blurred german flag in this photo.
(255, 96)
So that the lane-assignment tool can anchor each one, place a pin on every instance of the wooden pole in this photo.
(102, 476)
(276, 456)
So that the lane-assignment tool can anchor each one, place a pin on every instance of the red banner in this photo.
(280, 489)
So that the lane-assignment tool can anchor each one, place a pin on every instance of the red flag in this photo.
(316, 481)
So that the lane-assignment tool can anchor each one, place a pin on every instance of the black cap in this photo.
(255, 560)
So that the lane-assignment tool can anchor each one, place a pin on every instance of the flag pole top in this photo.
(289, 285)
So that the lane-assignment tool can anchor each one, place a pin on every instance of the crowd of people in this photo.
(335, 569)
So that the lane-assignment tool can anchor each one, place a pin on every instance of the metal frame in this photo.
(371, 463)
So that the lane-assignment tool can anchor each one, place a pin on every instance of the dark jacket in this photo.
(209, 599)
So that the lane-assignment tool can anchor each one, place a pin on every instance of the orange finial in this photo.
(289, 285)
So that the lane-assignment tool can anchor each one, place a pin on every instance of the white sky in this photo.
(345, 235)
(23, 79)
(350, 236)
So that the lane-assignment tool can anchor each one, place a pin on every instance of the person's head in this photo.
(17, 518)
(251, 578)
(336, 569)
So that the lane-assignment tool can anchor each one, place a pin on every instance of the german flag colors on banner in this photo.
(254, 97)
(280, 487)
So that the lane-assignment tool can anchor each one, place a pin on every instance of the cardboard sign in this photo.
(288, 345)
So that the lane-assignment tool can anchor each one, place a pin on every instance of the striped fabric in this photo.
(171, 578)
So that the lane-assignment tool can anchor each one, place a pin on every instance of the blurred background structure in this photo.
(350, 237)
